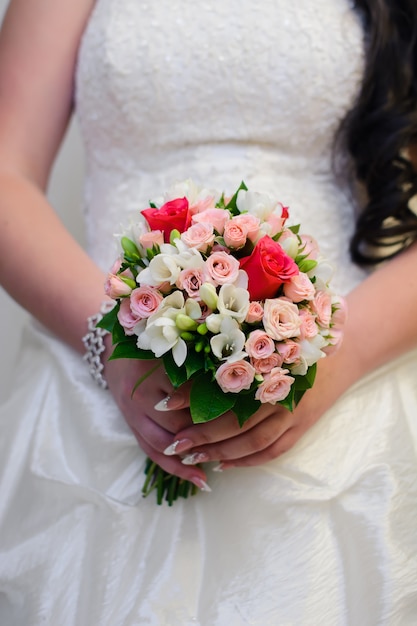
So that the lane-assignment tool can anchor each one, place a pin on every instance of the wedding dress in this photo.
(216, 92)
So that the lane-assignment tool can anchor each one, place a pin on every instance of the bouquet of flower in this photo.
(227, 296)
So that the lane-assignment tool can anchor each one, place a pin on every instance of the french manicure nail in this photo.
(162, 405)
(193, 459)
(178, 446)
(218, 468)
(201, 484)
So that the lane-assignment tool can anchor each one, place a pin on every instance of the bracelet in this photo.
(94, 344)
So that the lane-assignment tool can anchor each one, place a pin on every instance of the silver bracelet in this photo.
(94, 344)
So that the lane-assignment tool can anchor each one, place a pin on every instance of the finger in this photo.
(222, 429)
(174, 466)
(278, 448)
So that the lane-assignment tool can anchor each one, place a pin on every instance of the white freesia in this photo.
(233, 302)
(208, 295)
(323, 273)
(162, 334)
(228, 344)
(310, 353)
(213, 322)
(261, 205)
(290, 244)
(162, 268)
(137, 227)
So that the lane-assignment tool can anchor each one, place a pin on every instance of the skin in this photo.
(38, 47)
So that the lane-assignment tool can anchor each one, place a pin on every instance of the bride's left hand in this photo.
(270, 432)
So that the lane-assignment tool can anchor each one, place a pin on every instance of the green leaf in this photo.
(118, 333)
(232, 206)
(129, 350)
(194, 362)
(177, 375)
(207, 400)
(295, 229)
(245, 407)
(109, 318)
(307, 265)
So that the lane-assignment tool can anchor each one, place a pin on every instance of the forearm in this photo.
(381, 325)
(41, 265)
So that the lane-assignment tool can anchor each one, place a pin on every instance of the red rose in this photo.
(268, 267)
(173, 215)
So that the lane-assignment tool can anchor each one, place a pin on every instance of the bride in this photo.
(312, 519)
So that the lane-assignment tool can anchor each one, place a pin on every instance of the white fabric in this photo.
(326, 534)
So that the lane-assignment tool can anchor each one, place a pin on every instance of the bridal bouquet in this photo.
(227, 296)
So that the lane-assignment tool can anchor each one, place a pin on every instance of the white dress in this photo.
(218, 92)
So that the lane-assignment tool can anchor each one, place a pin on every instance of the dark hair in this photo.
(382, 127)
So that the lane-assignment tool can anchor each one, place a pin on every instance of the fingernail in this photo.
(218, 468)
(162, 405)
(178, 446)
(193, 459)
(199, 482)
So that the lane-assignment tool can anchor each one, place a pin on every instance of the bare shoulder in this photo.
(39, 41)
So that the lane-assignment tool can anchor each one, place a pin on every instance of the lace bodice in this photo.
(178, 89)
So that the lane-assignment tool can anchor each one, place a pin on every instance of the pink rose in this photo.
(267, 268)
(299, 288)
(289, 350)
(265, 365)
(234, 235)
(308, 328)
(335, 341)
(190, 280)
(222, 268)
(233, 377)
(275, 387)
(250, 222)
(255, 312)
(277, 222)
(153, 237)
(259, 345)
(199, 236)
(115, 287)
(201, 205)
(281, 319)
(126, 318)
(216, 217)
(322, 307)
(144, 301)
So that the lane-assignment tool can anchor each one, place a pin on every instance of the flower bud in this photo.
(130, 249)
(208, 295)
(184, 322)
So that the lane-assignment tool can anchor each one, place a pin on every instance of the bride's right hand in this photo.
(154, 429)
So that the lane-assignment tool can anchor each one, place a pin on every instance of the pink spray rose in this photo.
(216, 217)
(233, 377)
(144, 301)
(281, 319)
(255, 312)
(126, 317)
(275, 387)
(153, 237)
(222, 268)
(259, 345)
(190, 280)
(322, 307)
(266, 364)
(299, 288)
(289, 350)
(234, 234)
(199, 236)
(308, 328)
(250, 222)
(115, 287)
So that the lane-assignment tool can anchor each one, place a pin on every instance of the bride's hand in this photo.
(270, 432)
(154, 429)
